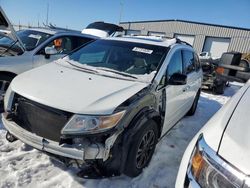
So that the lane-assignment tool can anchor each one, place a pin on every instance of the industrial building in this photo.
(202, 36)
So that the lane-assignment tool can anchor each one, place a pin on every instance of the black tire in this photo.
(5, 81)
(135, 163)
(195, 103)
(219, 89)
(4, 84)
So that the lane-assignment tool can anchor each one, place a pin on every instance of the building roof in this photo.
(186, 21)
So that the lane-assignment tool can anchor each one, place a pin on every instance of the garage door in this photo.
(187, 38)
(216, 46)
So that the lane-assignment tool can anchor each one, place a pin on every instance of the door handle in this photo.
(186, 88)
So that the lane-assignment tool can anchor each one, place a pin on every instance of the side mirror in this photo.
(50, 51)
(177, 79)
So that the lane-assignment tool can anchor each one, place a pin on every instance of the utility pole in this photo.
(121, 10)
(38, 20)
(47, 17)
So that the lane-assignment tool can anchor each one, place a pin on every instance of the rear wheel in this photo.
(141, 149)
(219, 89)
(195, 103)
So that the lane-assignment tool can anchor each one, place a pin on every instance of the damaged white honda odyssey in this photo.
(107, 104)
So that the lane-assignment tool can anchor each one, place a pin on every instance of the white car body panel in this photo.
(235, 144)
(179, 98)
(16, 64)
(39, 60)
(212, 133)
(103, 94)
(95, 32)
(175, 102)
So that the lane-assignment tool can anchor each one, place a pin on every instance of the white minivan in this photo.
(106, 104)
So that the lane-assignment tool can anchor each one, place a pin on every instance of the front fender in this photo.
(135, 125)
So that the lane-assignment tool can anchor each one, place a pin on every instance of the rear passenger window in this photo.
(175, 64)
(197, 62)
(188, 61)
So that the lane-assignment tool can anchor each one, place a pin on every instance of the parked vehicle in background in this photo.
(217, 73)
(107, 104)
(205, 56)
(212, 79)
(236, 66)
(102, 29)
(218, 156)
(26, 49)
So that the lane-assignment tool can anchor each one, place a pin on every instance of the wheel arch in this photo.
(144, 115)
(135, 124)
(7, 73)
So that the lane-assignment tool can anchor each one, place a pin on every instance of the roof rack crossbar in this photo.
(179, 41)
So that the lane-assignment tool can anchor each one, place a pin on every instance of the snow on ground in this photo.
(22, 166)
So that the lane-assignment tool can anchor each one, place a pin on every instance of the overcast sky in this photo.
(77, 14)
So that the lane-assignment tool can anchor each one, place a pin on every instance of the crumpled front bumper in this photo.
(87, 151)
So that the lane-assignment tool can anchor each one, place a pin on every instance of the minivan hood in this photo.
(74, 90)
(7, 30)
(235, 144)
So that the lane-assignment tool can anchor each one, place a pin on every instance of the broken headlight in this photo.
(87, 124)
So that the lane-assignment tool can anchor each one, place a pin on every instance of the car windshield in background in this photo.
(30, 39)
(126, 57)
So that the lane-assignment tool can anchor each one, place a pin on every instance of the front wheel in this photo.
(4, 84)
(142, 149)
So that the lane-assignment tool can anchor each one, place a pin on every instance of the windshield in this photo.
(30, 39)
(120, 56)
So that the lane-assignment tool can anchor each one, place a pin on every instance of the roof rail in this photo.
(50, 26)
(178, 41)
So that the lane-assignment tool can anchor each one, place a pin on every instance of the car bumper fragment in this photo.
(87, 151)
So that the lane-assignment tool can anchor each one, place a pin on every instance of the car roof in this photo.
(152, 40)
(52, 31)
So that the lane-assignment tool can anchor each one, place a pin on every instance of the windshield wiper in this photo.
(118, 72)
(82, 67)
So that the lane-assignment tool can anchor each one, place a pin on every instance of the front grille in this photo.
(42, 120)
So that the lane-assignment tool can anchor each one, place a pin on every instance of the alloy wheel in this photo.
(145, 149)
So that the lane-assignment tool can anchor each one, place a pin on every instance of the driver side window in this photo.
(63, 45)
(175, 64)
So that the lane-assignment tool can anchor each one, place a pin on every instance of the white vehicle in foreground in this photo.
(218, 156)
(106, 104)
